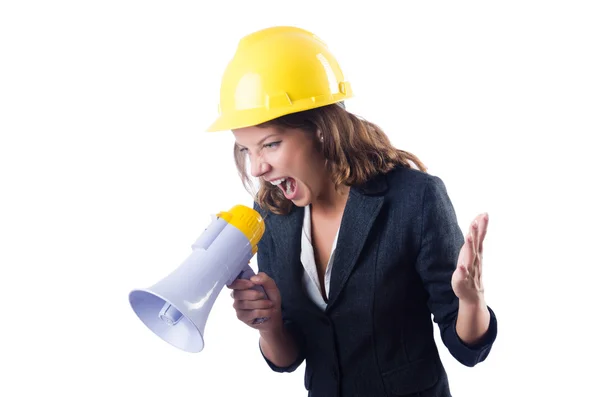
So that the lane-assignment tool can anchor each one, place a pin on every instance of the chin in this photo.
(301, 201)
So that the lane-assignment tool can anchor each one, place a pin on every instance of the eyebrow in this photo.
(262, 140)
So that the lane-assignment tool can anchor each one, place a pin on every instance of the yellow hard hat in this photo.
(278, 71)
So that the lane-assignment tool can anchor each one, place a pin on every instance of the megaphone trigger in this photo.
(245, 274)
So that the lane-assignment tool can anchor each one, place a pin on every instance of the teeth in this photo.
(278, 181)
(287, 185)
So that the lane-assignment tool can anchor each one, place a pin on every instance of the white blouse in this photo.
(310, 278)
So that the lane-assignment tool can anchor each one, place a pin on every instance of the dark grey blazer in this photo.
(397, 249)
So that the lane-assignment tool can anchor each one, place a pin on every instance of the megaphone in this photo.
(176, 308)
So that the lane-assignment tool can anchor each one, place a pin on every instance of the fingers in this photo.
(467, 254)
(256, 298)
(268, 285)
(469, 270)
(250, 304)
(248, 316)
(244, 305)
(470, 254)
(241, 284)
(478, 231)
(462, 272)
(473, 238)
(248, 295)
(483, 225)
(263, 279)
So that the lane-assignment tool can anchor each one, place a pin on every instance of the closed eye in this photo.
(271, 145)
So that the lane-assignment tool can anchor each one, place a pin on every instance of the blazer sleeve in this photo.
(441, 241)
(264, 261)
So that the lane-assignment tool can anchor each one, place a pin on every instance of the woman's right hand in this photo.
(250, 304)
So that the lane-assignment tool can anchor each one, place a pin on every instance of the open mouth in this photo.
(287, 185)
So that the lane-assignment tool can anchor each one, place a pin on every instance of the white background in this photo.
(107, 177)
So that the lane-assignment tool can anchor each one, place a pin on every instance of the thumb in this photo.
(268, 285)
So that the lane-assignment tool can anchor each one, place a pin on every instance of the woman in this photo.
(361, 245)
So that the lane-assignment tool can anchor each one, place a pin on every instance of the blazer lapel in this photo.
(362, 208)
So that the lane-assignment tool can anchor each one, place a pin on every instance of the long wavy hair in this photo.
(355, 149)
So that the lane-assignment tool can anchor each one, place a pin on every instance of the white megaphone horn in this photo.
(177, 307)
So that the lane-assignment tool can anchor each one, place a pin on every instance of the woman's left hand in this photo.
(466, 280)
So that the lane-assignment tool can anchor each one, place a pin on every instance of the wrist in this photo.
(275, 331)
(476, 304)
(473, 321)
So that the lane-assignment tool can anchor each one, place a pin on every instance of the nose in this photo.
(258, 167)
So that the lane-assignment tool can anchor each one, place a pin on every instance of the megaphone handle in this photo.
(246, 273)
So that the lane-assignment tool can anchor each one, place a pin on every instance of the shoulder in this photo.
(408, 192)
(402, 182)
(412, 177)
(416, 192)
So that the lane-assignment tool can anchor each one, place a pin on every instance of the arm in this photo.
(282, 344)
(468, 331)
(279, 348)
(473, 321)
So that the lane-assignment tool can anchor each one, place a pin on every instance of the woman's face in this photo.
(287, 158)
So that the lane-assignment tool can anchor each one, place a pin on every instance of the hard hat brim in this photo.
(256, 116)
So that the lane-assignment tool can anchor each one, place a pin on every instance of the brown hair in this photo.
(356, 150)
